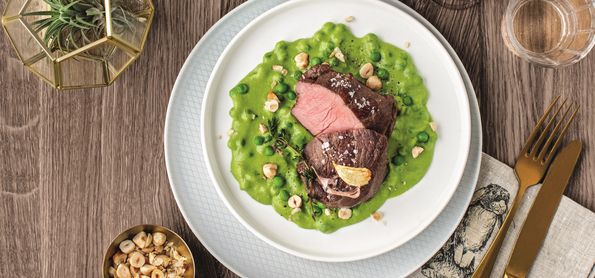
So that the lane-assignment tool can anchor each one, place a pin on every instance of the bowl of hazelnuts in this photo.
(148, 251)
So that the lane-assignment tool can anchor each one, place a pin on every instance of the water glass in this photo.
(551, 33)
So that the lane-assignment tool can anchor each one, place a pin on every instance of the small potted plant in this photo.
(77, 43)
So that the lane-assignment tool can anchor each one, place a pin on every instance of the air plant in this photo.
(71, 24)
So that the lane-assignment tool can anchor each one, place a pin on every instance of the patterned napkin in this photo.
(568, 250)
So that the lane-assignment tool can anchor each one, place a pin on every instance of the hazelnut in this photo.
(111, 271)
(137, 259)
(349, 18)
(338, 54)
(344, 213)
(127, 246)
(433, 126)
(262, 128)
(301, 60)
(157, 274)
(269, 170)
(295, 210)
(140, 239)
(159, 238)
(119, 258)
(147, 269)
(366, 70)
(294, 201)
(377, 215)
(416, 151)
(374, 83)
(123, 272)
(271, 105)
(327, 211)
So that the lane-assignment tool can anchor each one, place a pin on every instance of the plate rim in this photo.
(208, 155)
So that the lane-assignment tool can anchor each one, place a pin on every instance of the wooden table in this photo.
(78, 167)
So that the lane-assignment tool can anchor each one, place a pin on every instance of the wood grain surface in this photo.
(78, 167)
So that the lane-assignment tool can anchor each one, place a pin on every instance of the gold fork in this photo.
(530, 168)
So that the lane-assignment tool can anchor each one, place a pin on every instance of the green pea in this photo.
(240, 89)
(297, 75)
(268, 138)
(382, 73)
(278, 181)
(375, 56)
(258, 140)
(334, 62)
(280, 88)
(398, 160)
(283, 195)
(291, 95)
(407, 100)
(315, 61)
(317, 210)
(268, 151)
(423, 137)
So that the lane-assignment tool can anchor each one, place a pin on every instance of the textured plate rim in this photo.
(459, 170)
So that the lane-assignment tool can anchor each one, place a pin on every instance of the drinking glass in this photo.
(551, 33)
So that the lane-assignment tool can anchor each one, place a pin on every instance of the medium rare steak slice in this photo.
(358, 148)
(329, 101)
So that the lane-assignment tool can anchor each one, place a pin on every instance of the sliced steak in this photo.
(329, 101)
(360, 148)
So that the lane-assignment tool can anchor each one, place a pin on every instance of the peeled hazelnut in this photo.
(137, 259)
(344, 213)
(295, 210)
(338, 54)
(152, 258)
(269, 170)
(157, 274)
(119, 258)
(433, 126)
(301, 60)
(140, 239)
(327, 211)
(123, 271)
(127, 246)
(149, 240)
(158, 249)
(279, 69)
(416, 151)
(111, 271)
(145, 276)
(159, 238)
(148, 250)
(177, 256)
(135, 272)
(374, 83)
(366, 70)
(377, 215)
(271, 105)
(147, 269)
(349, 18)
(262, 128)
(294, 201)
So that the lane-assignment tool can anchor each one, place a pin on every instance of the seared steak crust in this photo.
(360, 148)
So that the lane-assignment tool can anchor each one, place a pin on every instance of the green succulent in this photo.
(71, 24)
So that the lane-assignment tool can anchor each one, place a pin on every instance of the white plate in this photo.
(405, 216)
(228, 240)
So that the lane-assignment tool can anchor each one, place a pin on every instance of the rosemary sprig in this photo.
(71, 24)
(282, 144)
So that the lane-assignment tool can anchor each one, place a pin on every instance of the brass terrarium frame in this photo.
(95, 64)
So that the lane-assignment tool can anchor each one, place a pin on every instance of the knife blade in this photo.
(542, 211)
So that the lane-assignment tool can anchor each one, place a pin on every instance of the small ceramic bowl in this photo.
(179, 243)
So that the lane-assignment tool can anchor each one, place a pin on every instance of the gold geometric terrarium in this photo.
(77, 43)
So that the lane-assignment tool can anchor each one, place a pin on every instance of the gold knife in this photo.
(542, 211)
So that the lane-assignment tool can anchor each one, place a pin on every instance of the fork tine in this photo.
(553, 150)
(529, 142)
(545, 149)
(545, 132)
